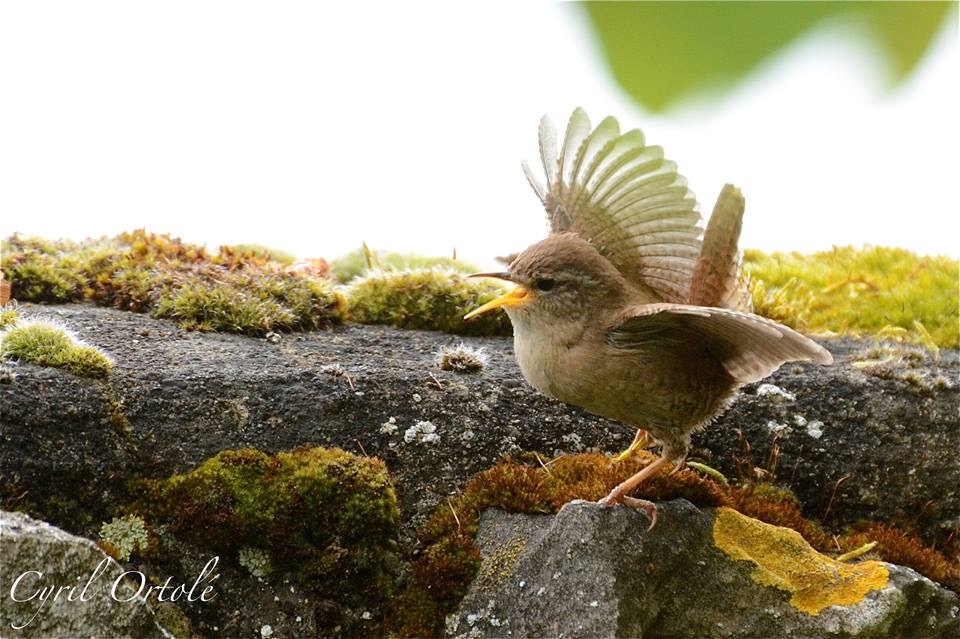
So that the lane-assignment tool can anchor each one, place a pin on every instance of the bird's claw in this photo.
(648, 507)
(612, 499)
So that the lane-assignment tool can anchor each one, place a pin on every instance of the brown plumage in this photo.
(628, 309)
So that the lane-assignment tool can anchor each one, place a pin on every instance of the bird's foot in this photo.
(617, 497)
(642, 439)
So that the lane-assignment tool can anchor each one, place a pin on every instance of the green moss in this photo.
(48, 344)
(124, 536)
(8, 316)
(237, 289)
(265, 253)
(173, 620)
(429, 299)
(886, 291)
(361, 262)
(325, 514)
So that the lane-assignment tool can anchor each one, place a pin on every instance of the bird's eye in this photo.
(545, 284)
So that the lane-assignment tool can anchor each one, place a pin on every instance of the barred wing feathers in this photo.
(716, 278)
(624, 198)
(750, 347)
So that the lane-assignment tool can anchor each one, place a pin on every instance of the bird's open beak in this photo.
(515, 297)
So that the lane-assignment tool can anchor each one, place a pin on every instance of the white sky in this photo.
(314, 126)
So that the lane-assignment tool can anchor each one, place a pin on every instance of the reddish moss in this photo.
(780, 508)
(902, 548)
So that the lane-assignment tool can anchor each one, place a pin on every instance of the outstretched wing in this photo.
(750, 347)
(717, 280)
(624, 198)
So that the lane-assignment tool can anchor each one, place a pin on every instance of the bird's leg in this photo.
(619, 494)
(642, 439)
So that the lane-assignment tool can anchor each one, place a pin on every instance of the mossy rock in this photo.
(237, 289)
(48, 344)
(324, 514)
(529, 484)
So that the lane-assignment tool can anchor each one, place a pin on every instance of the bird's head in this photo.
(562, 278)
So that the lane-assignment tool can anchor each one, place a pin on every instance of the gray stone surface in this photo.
(100, 609)
(69, 446)
(596, 572)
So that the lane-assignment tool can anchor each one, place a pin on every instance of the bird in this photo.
(629, 308)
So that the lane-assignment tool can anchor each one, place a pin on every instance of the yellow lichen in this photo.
(786, 561)
(498, 566)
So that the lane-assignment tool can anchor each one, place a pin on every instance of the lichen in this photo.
(428, 299)
(124, 536)
(256, 560)
(46, 343)
(784, 560)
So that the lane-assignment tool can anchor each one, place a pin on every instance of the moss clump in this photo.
(874, 290)
(8, 316)
(429, 299)
(237, 289)
(124, 536)
(902, 548)
(461, 359)
(362, 261)
(47, 344)
(325, 514)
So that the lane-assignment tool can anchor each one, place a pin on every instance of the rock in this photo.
(96, 600)
(69, 446)
(855, 443)
(591, 571)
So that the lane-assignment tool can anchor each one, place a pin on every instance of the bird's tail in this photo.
(717, 280)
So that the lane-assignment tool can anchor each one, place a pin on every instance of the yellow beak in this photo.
(515, 297)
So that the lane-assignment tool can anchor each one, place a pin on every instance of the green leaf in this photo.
(662, 52)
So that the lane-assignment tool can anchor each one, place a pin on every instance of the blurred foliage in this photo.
(363, 260)
(889, 292)
(662, 52)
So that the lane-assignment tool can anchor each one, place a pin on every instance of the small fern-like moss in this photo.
(429, 299)
(47, 344)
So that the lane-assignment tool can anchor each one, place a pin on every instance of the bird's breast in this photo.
(548, 360)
